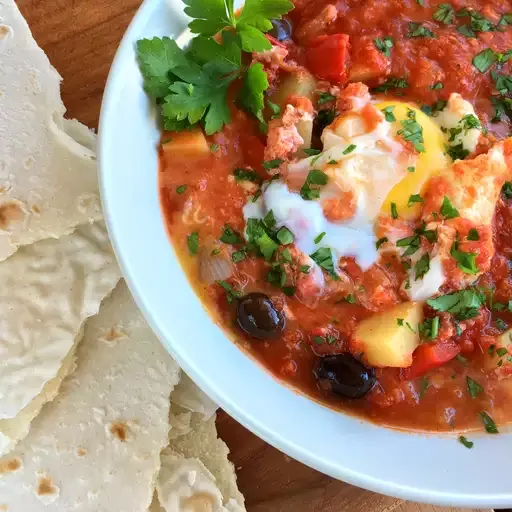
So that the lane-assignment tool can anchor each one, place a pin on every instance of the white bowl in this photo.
(435, 469)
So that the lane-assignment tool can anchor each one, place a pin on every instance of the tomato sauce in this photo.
(213, 199)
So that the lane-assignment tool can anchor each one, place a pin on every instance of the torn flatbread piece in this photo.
(189, 396)
(195, 468)
(47, 291)
(48, 179)
(96, 447)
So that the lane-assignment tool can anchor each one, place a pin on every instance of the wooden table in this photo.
(80, 38)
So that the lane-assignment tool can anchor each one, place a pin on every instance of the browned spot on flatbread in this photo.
(81, 452)
(200, 502)
(36, 208)
(119, 430)
(4, 30)
(45, 487)
(9, 213)
(114, 334)
(9, 465)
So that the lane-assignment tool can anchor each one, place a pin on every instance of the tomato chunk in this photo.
(430, 356)
(327, 57)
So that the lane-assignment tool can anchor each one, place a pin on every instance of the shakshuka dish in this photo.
(336, 179)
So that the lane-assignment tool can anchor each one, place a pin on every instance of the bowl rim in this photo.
(338, 469)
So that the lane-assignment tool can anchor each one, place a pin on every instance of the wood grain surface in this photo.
(80, 37)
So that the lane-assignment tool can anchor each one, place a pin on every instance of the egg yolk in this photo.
(430, 162)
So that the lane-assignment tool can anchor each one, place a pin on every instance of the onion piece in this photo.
(217, 267)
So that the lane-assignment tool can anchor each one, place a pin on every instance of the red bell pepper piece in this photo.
(430, 356)
(327, 57)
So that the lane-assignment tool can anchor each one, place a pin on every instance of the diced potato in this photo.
(389, 338)
(301, 83)
(191, 143)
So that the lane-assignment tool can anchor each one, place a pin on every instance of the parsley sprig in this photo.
(191, 86)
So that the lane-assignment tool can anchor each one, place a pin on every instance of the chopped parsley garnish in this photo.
(214, 148)
(349, 149)
(324, 258)
(269, 220)
(325, 97)
(461, 359)
(215, 252)
(381, 241)
(435, 108)
(506, 19)
(231, 294)
(502, 351)
(464, 441)
(400, 322)
(412, 131)
(456, 152)
(466, 261)
(394, 211)
(350, 298)
(502, 106)
(466, 30)
(332, 162)
(437, 86)
(312, 152)
(473, 235)
(238, 256)
(434, 330)
(384, 45)
(319, 238)
(411, 169)
(414, 198)
(275, 109)
(388, 113)
(444, 14)
(247, 175)
(507, 189)
(463, 304)
(489, 424)
(286, 255)
(229, 236)
(422, 266)
(391, 83)
(478, 23)
(501, 324)
(429, 329)
(474, 388)
(484, 60)
(448, 211)
(272, 164)
(423, 386)
(418, 30)
(181, 189)
(305, 269)
(285, 236)
(193, 242)
(316, 178)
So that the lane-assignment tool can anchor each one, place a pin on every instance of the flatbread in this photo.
(96, 447)
(186, 485)
(191, 397)
(204, 444)
(48, 180)
(47, 291)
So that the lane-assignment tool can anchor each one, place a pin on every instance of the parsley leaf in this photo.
(384, 45)
(272, 164)
(193, 242)
(325, 97)
(412, 131)
(324, 258)
(229, 236)
(448, 211)
(349, 149)
(489, 424)
(181, 189)
(315, 177)
(254, 84)
(285, 236)
(381, 241)
(474, 388)
(466, 261)
(463, 304)
(444, 14)
(507, 189)
(247, 175)
(157, 58)
(422, 266)
(231, 294)
(228, 55)
(414, 198)
(391, 83)
(468, 444)
(418, 30)
(484, 60)
(388, 114)
(394, 211)
(473, 235)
